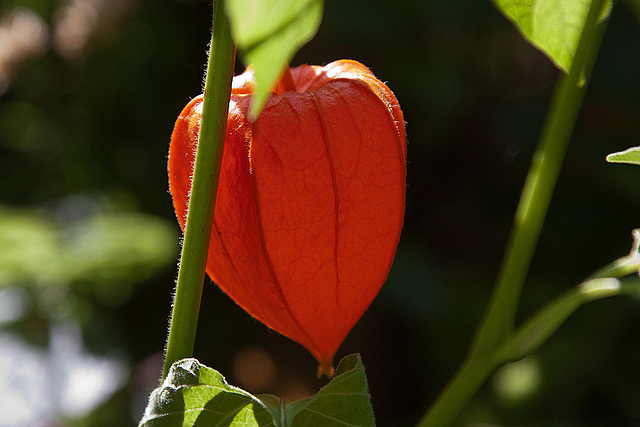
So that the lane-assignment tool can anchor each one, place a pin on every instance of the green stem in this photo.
(623, 266)
(499, 321)
(186, 304)
(541, 326)
(472, 374)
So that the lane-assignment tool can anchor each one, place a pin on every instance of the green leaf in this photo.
(630, 156)
(553, 26)
(268, 34)
(195, 395)
(344, 401)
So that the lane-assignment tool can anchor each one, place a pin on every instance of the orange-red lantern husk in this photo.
(310, 201)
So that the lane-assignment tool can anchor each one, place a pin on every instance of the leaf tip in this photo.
(630, 156)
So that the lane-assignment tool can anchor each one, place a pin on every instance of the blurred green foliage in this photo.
(88, 234)
(105, 254)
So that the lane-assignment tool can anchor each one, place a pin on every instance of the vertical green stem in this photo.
(186, 304)
(499, 321)
(541, 180)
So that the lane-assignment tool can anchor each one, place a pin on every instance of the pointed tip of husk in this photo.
(326, 368)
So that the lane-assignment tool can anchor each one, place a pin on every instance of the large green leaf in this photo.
(630, 155)
(553, 26)
(196, 395)
(268, 34)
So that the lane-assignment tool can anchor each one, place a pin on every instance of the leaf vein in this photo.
(331, 418)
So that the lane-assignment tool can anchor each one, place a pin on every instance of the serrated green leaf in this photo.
(193, 394)
(344, 401)
(268, 34)
(630, 156)
(553, 26)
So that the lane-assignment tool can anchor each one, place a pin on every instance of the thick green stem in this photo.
(472, 374)
(499, 321)
(186, 304)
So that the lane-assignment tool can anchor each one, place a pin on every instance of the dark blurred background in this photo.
(89, 92)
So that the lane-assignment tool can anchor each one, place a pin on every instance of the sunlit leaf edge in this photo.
(270, 52)
(561, 57)
(630, 156)
(187, 380)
